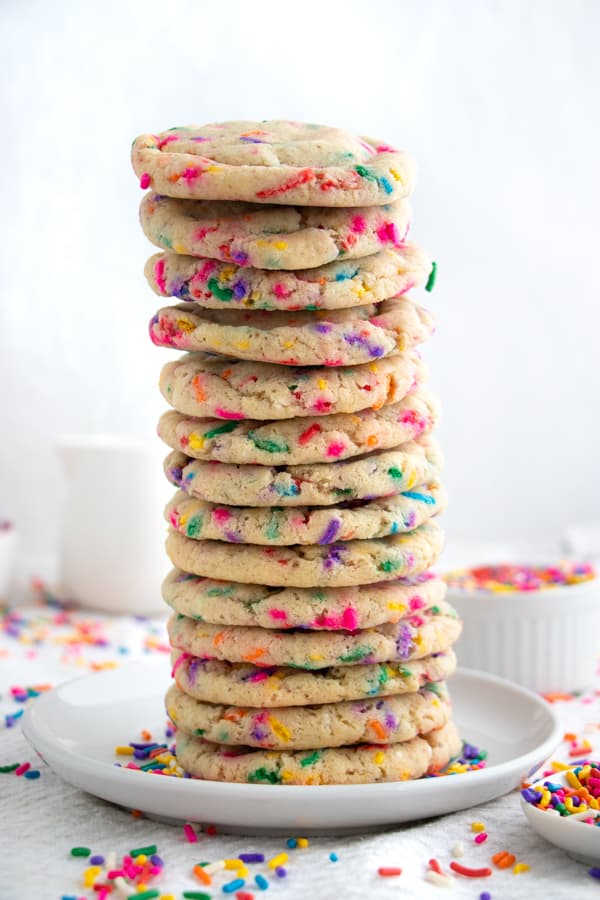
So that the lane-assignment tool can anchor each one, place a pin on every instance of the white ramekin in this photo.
(547, 640)
(8, 541)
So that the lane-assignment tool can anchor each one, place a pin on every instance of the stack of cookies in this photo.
(311, 643)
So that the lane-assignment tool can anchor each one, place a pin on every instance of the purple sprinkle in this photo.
(232, 537)
(156, 860)
(333, 556)
(594, 872)
(281, 872)
(251, 857)
(176, 474)
(240, 289)
(485, 895)
(470, 751)
(376, 351)
(390, 722)
(330, 532)
(404, 642)
(240, 257)
(322, 327)
(96, 860)
(251, 140)
(144, 745)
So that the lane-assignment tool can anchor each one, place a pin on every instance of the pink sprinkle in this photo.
(103, 892)
(179, 661)
(350, 619)
(481, 838)
(227, 413)
(336, 448)
(159, 275)
(208, 267)
(221, 515)
(190, 174)
(280, 291)
(416, 603)
(190, 833)
(115, 873)
(278, 613)
(145, 181)
(258, 676)
(321, 405)
(358, 225)
(394, 234)
(24, 767)
(167, 140)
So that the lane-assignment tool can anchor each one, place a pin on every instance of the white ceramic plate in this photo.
(76, 726)
(579, 840)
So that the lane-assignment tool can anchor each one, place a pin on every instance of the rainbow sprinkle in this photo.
(505, 578)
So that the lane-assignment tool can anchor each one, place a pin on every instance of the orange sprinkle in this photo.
(503, 859)
(219, 638)
(254, 654)
(372, 440)
(378, 728)
(198, 391)
(201, 875)
(146, 735)
(226, 373)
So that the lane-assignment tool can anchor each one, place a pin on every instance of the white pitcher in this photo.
(113, 534)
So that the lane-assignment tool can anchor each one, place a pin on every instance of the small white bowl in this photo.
(8, 541)
(547, 640)
(567, 832)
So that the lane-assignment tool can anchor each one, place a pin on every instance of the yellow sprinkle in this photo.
(395, 174)
(281, 245)
(185, 325)
(315, 657)
(302, 842)
(233, 863)
(322, 384)
(286, 775)
(573, 779)
(243, 345)
(373, 367)
(90, 875)
(278, 860)
(141, 887)
(182, 520)
(167, 897)
(141, 859)
(279, 729)
(288, 344)
(557, 766)
(179, 248)
(397, 606)
(477, 827)
(227, 273)
(213, 168)
(242, 872)
(379, 757)
(195, 441)
(520, 867)
(124, 751)
(255, 295)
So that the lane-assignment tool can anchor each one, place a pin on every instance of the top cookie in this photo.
(272, 162)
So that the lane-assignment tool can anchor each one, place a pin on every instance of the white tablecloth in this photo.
(44, 818)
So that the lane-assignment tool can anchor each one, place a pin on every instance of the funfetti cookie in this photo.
(345, 283)
(277, 526)
(383, 720)
(356, 764)
(217, 681)
(380, 474)
(202, 385)
(420, 634)
(272, 162)
(271, 237)
(315, 609)
(331, 565)
(342, 337)
(302, 440)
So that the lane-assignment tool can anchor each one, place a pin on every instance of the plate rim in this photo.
(95, 767)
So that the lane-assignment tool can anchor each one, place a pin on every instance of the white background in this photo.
(498, 102)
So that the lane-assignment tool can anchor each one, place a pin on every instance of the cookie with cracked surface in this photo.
(342, 337)
(331, 565)
(302, 440)
(357, 764)
(271, 237)
(273, 161)
(231, 603)
(214, 284)
(415, 636)
(382, 473)
(217, 681)
(382, 720)
(202, 385)
(277, 526)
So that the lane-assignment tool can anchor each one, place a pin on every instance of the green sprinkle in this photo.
(292, 387)
(80, 851)
(396, 473)
(404, 672)
(343, 491)
(355, 655)
(263, 774)
(10, 768)
(144, 851)
(222, 429)
(272, 529)
(269, 446)
(194, 526)
(145, 895)
(165, 241)
(432, 276)
(310, 760)
(220, 293)
(219, 592)
(193, 895)
(435, 610)
(388, 566)
(365, 173)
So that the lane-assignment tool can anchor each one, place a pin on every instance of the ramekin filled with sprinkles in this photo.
(536, 625)
(565, 809)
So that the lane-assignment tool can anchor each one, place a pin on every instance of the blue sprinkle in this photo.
(343, 276)
(424, 498)
(292, 843)
(32, 773)
(232, 886)
(333, 857)
(386, 185)
(394, 529)
(261, 882)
